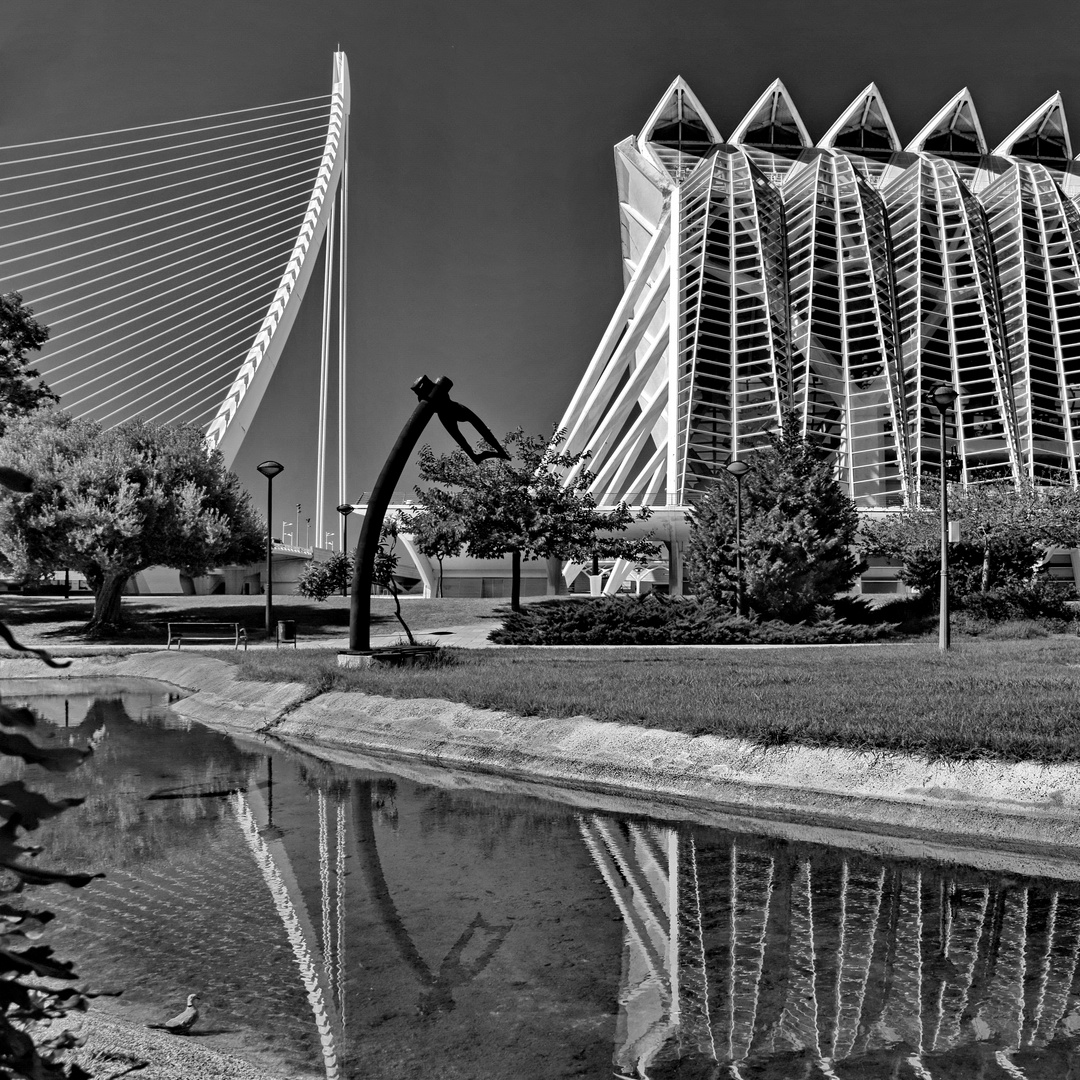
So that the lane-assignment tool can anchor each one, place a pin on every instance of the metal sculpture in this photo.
(434, 401)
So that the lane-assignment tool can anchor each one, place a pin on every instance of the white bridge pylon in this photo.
(169, 261)
(234, 415)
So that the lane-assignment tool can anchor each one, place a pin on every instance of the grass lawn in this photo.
(1009, 700)
(52, 619)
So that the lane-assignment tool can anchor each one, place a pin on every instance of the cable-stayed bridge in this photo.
(169, 261)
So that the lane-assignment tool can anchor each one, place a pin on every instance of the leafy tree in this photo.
(331, 577)
(435, 536)
(21, 390)
(29, 972)
(385, 569)
(1006, 532)
(798, 526)
(320, 580)
(523, 508)
(111, 503)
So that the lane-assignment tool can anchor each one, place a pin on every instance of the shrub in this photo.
(1040, 600)
(656, 619)
(331, 577)
(1010, 630)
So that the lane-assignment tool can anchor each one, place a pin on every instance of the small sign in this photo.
(954, 532)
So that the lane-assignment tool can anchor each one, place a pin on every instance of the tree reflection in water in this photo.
(744, 956)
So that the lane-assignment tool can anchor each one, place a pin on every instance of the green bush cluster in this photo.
(1032, 600)
(657, 619)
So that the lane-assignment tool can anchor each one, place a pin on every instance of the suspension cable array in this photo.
(168, 259)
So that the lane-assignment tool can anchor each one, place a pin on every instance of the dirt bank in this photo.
(978, 804)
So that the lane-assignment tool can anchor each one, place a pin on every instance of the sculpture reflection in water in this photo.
(454, 973)
(750, 958)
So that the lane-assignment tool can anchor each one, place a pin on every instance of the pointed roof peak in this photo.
(864, 125)
(679, 132)
(773, 121)
(953, 132)
(1042, 137)
(678, 95)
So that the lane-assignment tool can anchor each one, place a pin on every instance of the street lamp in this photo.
(345, 509)
(270, 469)
(327, 542)
(739, 469)
(286, 525)
(943, 397)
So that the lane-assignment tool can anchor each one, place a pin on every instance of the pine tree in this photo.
(798, 528)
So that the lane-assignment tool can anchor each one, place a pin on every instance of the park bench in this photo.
(206, 631)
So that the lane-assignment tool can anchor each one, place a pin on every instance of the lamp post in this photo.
(345, 509)
(270, 469)
(943, 397)
(739, 469)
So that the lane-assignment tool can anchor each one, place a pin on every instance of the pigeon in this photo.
(184, 1021)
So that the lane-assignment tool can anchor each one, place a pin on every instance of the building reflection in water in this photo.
(743, 956)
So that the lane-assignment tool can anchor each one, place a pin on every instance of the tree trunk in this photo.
(439, 591)
(984, 582)
(106, 619)
(515, 580)
(397, 611)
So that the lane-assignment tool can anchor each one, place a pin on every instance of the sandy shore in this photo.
(115, 1048)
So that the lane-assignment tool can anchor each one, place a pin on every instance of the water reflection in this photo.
(749, 957)
(345, 923)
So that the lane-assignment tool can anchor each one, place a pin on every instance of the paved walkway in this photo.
(463, 637)
(473, 636)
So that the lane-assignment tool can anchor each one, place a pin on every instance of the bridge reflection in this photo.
(744, 956)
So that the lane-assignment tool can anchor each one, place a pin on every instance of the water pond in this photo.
(355, 923)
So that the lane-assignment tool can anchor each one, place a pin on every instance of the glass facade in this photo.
(842, 280)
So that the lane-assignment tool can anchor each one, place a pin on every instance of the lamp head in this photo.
(270, 469)
(737, 468)
(944, 395)
(345, 509)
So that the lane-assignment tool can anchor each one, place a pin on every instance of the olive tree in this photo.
(112, 503)
(21, 390)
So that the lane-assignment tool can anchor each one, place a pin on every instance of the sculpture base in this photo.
(355, 659)
(392, 656)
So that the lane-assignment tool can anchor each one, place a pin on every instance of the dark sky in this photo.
(483, 221)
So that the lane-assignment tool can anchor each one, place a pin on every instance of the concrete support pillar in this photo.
(619, 571)
(675, 574)
(1074, 558)
(596, 584)
(422, 564)
(555, 584)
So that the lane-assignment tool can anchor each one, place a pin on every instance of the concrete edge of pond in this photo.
(980, 804)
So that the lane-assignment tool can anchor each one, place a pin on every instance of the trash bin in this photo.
(286, 632)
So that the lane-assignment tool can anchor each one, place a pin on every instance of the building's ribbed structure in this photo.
(842, 280)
